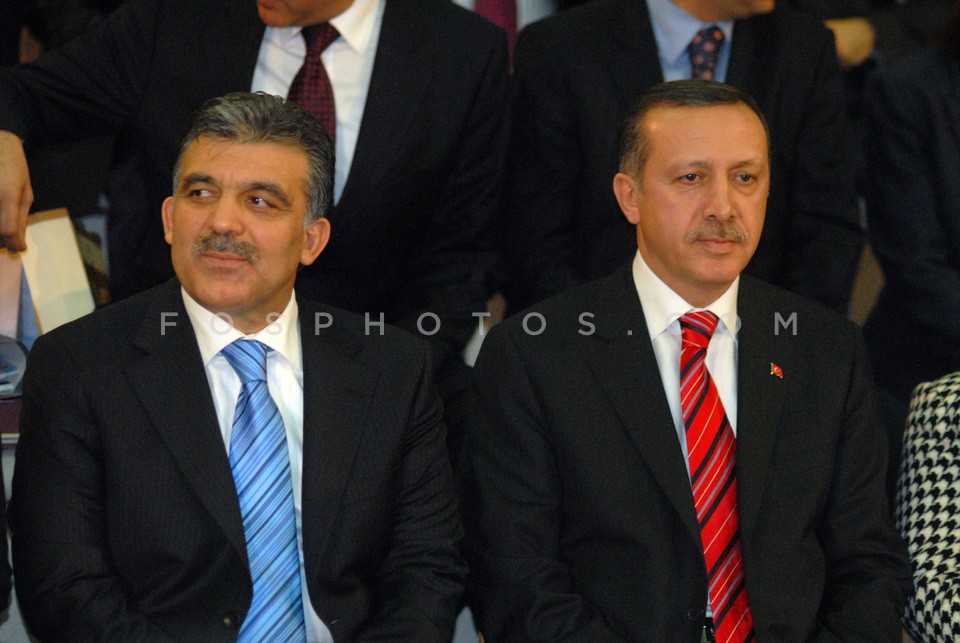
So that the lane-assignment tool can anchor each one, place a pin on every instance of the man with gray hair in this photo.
(218, 458)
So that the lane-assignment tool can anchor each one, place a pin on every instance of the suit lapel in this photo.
(626, 367)
(240, 30)
(760, 395)
(634, 61)
(172, 386)
(953, 98)
(336, 396)
(750, 51)
(401, 73)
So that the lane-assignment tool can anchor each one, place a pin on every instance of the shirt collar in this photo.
(662, 307)
(674, 28)
(355, 26)
(356, 23)
(214, 333)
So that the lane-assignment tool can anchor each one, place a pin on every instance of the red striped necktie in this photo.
(711, 449)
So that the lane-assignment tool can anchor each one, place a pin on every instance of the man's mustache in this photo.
(226, 243)
(717, 230)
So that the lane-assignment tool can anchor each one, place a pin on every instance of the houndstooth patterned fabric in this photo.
(928, 509)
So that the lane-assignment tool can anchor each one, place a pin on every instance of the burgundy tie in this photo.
(711, 451)
(704, 51)
(311, 88)
(502, 13)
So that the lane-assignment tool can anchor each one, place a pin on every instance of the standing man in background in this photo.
(578, 72)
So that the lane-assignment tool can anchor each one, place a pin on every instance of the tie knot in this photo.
(704, 51)
(318, 37)
(248, 358)
(697, 327)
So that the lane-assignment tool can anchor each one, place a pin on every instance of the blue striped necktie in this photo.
(261, 471)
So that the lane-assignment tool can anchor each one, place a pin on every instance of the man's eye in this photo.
(689, 178)
(743, 177)
(260, 202)
(198, 193)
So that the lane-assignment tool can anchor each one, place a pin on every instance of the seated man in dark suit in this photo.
(577, 74)
(219, 456)
(677, 449)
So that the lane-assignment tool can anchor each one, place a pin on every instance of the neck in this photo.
(328, 11)
(704, 10)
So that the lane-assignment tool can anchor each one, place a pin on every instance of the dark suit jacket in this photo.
(126, 524)
(587, 517)
(577, 75)
(410, 231)
(913, 200)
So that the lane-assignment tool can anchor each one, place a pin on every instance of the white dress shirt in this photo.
(349, 64)
(662, 309)
(673, 29)
(285, 381)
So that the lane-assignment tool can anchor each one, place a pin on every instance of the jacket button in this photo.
(230, 619)
(696, 614)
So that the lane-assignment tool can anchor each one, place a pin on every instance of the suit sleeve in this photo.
(542, 175)
(825, 239)
(905, 207)
(421, 579)
(66, 586)
(868, 574)
(454, 276)
(92, 84)
(523, 586)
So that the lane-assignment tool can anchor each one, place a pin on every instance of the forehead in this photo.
(716, 134)
(225, 160)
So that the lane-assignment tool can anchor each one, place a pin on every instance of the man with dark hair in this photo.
(220, 456)
(577, 74)
(678, 451)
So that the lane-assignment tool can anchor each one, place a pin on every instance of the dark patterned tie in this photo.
(711, 450)
(502, 13)
(261, 470)
(311, 88)
(704, 51)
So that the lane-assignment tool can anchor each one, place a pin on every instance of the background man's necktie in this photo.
(502, 13)
(711, 449)
(311, 89)
(261, 471)
(704, 51)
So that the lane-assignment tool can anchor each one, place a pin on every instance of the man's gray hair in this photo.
(634, 142)
(244, 117)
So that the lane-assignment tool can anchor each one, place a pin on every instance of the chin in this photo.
(271, 16)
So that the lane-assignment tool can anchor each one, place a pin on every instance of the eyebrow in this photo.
(193, 178)
(700, 164)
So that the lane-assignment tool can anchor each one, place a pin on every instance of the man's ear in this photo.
(317, 236)
(166, 212)
(628, 196)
